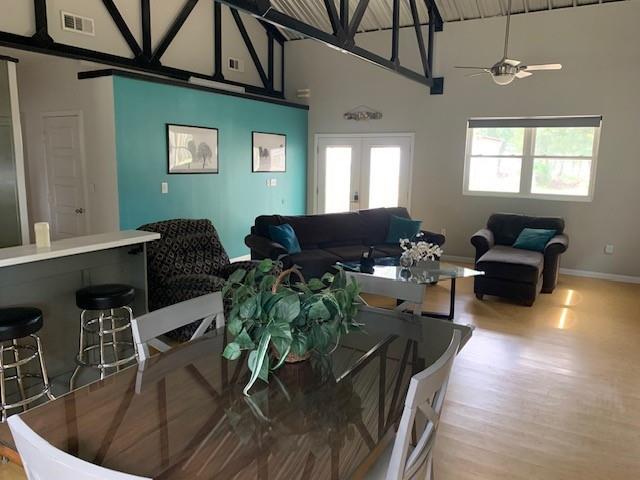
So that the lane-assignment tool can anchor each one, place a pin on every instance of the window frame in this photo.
(528, 157)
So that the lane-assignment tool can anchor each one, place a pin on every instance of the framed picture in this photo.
(192, 149)
(269, 152)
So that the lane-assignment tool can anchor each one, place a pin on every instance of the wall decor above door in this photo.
(192, 149)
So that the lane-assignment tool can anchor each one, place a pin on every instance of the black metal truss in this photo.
(146, 59)
(344, 30)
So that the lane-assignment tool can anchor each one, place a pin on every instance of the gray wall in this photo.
(599, 49)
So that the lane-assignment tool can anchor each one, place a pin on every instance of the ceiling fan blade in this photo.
(475, 68)
(514, 63)
(548, 66)
(523, 74)
(478, 74)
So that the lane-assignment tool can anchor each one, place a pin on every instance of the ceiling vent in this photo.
(235, 64)
(78, 24)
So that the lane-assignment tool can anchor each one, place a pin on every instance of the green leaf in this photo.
(256, 360)
(231, 351)
(315, 284)
(282, 345)
(319, 311)
(267, 282)
(339, 280)
(234, 325)
(280, 330)
(299, 344)
(248, 307)
(319, 338)
(327, 278)
(283, 357)
(237, 276)
(266, 265)
(288, 308)
(244, 340)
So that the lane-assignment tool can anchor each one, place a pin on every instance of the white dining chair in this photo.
(426, 395)
(147, 328)
(42, 461)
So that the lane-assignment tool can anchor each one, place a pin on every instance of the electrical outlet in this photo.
(274, 182)
(164, 187)
(443, 231)
(268, 182)
(608, 249)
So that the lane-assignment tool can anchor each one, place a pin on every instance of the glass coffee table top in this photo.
(426, 273)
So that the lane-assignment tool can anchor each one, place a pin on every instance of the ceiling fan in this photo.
(506, 70)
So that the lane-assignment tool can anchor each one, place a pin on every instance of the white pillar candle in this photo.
(43, 238)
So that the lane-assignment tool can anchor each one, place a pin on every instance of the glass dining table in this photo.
(182, 414)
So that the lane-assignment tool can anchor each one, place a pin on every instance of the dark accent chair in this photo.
(188, 261)
(515, 273)
(329, 238)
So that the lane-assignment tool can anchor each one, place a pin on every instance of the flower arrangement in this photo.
(418, 250)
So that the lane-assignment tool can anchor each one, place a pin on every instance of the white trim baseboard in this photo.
(614, 277)
(242, 258)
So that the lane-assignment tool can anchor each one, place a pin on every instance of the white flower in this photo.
(420, 250)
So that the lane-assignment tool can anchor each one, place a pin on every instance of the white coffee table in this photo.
(408, 286)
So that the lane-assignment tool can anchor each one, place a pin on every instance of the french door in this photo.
(358, 172)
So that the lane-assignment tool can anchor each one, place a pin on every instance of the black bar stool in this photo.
(112, 315)
(19, 323)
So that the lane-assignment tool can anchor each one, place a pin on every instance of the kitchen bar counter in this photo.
(73, 246)
(47, 278)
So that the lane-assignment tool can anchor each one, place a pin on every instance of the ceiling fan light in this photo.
(504, 78)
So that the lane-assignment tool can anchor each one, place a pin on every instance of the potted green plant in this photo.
(278, 321)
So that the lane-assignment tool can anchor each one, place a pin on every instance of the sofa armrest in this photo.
(264, 247)
(552, 251)
(557, 245)
(431, 237)
(483, 241)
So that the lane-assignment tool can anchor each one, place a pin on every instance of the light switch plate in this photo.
(608, 249)
(274, 182)
(164, 187)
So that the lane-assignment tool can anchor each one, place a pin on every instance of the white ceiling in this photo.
(378, 15)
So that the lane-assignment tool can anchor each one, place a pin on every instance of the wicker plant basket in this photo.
(291, 357)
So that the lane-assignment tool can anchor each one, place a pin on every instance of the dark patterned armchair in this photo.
(188, 261)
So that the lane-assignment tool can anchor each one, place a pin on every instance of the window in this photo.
(542, 157)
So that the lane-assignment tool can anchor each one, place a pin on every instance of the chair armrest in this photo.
(557, 245)
(431, 237)
(483, 241)
(265, 247)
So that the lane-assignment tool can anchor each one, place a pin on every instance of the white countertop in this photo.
(73, 246)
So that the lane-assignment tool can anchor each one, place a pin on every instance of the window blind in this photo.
(534, 122)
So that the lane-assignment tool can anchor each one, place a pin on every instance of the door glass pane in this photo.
(497, 141)
(494, 174)
(561, 176)
(337, 195)
(384, 177)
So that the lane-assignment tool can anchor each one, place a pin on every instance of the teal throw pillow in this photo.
(534, 239)
(400, 227)
(285, 236)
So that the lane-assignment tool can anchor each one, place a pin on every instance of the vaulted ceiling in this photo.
(378, 15)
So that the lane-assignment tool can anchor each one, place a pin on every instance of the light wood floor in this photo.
(550, 392)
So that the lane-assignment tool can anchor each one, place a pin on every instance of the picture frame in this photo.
(192, 149)
(268, 152)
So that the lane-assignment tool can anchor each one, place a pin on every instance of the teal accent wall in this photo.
(232, 198)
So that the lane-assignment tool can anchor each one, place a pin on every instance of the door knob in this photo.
(80, 210)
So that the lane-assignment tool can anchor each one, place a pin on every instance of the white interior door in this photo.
(65, 175)
(359, 172)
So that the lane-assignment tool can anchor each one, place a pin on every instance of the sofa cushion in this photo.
(285, 236)
(507, 226)
(388, 250)
(376, 222)
(400, 228)
(314, 262)
(510, 263)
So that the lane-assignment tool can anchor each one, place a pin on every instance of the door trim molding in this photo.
(316, 153)
(83, 162)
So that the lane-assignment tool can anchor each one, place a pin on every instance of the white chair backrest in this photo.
(146, 328)
(42, 461)
(426, 394)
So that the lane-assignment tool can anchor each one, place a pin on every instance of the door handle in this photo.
(80, 210)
